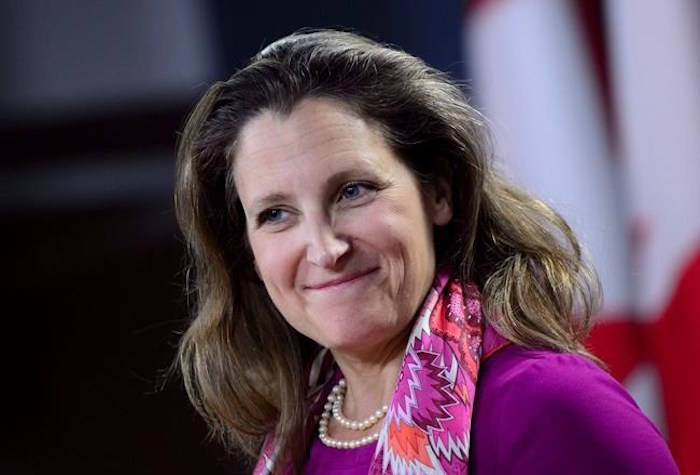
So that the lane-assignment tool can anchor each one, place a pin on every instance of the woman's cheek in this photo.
(271, 256)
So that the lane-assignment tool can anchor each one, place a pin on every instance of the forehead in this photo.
(318, 135)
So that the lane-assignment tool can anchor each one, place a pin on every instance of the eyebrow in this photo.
(268, 200)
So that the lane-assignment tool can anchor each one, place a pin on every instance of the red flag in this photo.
(602, 120)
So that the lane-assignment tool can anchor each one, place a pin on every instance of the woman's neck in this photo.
(371, 376)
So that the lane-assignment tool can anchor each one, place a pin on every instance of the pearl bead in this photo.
(335, 406)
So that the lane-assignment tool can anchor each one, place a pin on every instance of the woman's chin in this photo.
(361, 339)
(348, 340)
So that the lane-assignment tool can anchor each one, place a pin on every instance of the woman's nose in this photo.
(325, 247)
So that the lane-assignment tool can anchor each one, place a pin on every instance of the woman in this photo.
(369, 295)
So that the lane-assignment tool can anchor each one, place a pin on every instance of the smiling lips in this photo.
(342, 280)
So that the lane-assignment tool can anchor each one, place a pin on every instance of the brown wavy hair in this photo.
(242, 364)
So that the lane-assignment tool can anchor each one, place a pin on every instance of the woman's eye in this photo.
(271, 216)
(354, 191)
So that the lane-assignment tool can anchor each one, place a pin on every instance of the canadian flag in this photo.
(595, 108)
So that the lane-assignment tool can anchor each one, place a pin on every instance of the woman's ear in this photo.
(439, 205)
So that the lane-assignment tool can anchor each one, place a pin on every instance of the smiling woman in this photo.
(348, 256)
(370, 296)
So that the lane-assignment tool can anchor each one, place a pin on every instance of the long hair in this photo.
(242, 364)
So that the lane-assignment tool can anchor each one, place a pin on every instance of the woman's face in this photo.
(341, 234)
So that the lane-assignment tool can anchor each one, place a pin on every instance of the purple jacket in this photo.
(542, 412)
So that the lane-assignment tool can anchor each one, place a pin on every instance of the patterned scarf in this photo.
(427, 427)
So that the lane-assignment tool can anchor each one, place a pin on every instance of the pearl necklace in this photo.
(335, 405)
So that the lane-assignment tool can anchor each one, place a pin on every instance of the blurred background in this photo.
(595, 107)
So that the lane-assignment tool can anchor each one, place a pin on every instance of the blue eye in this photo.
(272, 215)
(354, 191)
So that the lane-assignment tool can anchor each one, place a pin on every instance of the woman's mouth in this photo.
(342, 280)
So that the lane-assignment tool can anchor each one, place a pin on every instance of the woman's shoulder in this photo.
(549, 377)
(559, 412)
